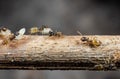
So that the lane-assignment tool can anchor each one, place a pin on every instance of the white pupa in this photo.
(21, 32)
(46, 31)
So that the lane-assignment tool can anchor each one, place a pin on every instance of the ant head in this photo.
(51, 33)
(3, 29)
(17, 33)
(84, 39)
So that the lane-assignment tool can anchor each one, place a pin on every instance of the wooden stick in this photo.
(60, 53)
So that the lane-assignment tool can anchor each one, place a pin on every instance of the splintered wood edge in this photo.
(66, 52)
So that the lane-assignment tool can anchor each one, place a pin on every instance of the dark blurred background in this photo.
(88, 16)
(68, 16)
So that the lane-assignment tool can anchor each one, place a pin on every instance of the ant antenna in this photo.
(79, 33)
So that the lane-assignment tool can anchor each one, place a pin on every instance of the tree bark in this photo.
(60, 53)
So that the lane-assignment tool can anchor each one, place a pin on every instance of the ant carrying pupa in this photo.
(90, 42)
(45, 30)
(49, 31)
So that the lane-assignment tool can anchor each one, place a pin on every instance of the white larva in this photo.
(21, 32)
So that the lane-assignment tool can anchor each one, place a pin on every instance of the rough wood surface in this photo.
(56, 53)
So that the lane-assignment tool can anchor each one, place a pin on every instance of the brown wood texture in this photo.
(60, 53)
